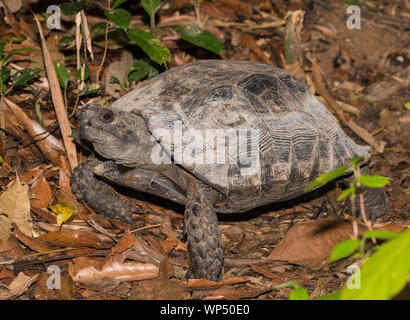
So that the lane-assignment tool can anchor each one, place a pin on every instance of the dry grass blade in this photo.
(333, 105)
(49, 145)
(58, 101)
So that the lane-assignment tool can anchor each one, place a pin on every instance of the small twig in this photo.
(146, 227)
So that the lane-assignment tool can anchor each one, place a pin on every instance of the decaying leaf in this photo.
(120, 271)
(310, 243)
(4, 228)
(126, 242)
(204, 283)
(14, 202)
(42, 191)
(18, 286)
(166, 288)
(65, 238)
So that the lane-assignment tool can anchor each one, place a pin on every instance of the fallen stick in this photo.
(58, 101)
(334, 106)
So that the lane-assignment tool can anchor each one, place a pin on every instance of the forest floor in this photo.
(366, 72)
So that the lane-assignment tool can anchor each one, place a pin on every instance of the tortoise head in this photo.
(116, 135)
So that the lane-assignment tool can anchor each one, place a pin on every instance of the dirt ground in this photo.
(365, 69)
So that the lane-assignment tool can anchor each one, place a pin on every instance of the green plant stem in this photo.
(75, 106)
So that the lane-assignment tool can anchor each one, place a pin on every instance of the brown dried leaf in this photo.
(204, 283)
(12, 248)
(120, 271)
(5, 226)
(15, 203)
(310, 243)
(126, 242)
(33, 244)
(49, 145)
(45, 214)
(19, 286)
(13, 5)
(6, 274)
(171, 243)
(65, 238)
(165, 288)
(42, 192)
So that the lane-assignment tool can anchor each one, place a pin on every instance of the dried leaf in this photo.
(5, 226)
(311, 243)
(33, 244)
(72, 239)
(204, 283)
(18, 286)
(126, 242)
(43, 193)
(165, 288)
(15, 203)
(13, 5)
(120, 271)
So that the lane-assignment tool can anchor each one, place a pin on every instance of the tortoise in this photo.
(217, 137)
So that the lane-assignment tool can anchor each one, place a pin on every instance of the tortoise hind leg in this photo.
(99, 195)
(202, 231)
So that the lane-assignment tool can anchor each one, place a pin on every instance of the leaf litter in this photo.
(42, 223)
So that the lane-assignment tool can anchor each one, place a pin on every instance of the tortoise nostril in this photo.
(107, 116)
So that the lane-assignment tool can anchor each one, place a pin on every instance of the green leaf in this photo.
(38, 113)
(89, 89)
(407, 105)
(86, 74)
(120, 17)
(12, 39)
(373, 181)
(2, 45)
(62, 75)
(347, 192)
(199, 37)
(355, 161)
(65, 41)
(344, 249)
(289, 284)
(351, 2)
(22, 78)
(299, 294)
(97, 27)
(13, 52)
(4, 75)
(151, 46)
(71, 8)
(327, 177)
(331, 296)
(151, 6)
(385, 273)
(140, 70)
(117, 3)
(1, 160)
(379, 234)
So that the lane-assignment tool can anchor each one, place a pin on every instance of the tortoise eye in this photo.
(107, 116)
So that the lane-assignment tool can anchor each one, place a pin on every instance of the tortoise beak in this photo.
(87, 114)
